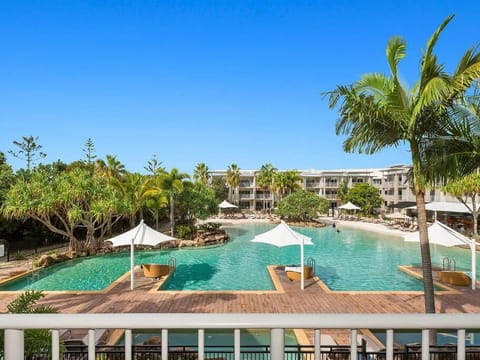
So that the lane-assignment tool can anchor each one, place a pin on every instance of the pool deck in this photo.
(288, 299)
(316, 298)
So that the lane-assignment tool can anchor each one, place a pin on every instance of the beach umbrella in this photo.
(139, 235)
(282, 235)
(349, 206)
(226, 205)
(440, 234)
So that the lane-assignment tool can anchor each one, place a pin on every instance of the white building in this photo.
(392, 182)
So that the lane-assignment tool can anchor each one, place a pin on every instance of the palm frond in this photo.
(434, 38)
(396, 50)
(375, 84)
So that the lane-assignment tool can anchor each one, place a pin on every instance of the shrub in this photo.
(210, 226)
(184, 231)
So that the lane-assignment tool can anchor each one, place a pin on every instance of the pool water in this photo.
(346, 260)
(213, 337)
(405, 337)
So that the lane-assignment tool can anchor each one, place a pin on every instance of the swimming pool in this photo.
(221, 339)
(348, 260)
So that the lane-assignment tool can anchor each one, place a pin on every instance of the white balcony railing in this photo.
(15, 324)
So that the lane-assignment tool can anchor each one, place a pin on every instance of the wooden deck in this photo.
(290, 299)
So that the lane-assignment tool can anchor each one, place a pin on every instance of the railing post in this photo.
(425, 344)
(317, 344)
(55, 344)
(461, 344)
(353, 344)
(277, 344)
(236, 344)
(14, 344)
(164, 344)
(128, 344)
(91, 344)
(389, 336)
(201, 344)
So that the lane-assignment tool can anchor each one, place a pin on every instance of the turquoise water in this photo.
(348, 260)
(404, 337)
(217, 338)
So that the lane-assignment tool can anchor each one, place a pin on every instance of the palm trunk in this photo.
(425, 252)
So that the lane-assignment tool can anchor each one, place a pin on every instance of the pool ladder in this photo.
(311, 263)
(448, 263)
(172, 264)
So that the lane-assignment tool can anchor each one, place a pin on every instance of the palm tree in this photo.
(292, 181)
(265, 181)
(233, 180)
(378, 112)
(286, 182)
(201, 173)
(172, 183)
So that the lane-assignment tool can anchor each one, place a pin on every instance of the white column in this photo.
(389, 344)
(128, 344)
(164, 344)
(317, 344)
(236, 344)
(91, 344)
(14, 344)
(277, 344)
(353, 344)
(55, 345)
(201, 344)
(425, 344)
(461, 344)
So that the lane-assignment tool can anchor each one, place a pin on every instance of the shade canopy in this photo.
(282, 235)
(142, 234)
(398, 215)
(226, 205)
(440, 234)
(444, 206)
(349, 206)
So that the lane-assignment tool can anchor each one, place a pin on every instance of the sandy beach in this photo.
(373, 227)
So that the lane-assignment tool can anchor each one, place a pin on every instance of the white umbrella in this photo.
(226, 205)
(139, 235)
(282, 235)
(397, 215)
(349, 206)
(441, 234)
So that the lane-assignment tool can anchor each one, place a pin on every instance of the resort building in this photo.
(392, 182)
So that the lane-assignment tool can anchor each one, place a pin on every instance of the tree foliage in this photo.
(467, 191)
(379, 111)
(302, 205)
(63, 202)
(365, 196)
(37, 341)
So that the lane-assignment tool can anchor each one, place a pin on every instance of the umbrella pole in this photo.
(132, 255)
(302, 268)
(473, 247)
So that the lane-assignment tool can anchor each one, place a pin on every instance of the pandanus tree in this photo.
(379, 111)
(63, 203)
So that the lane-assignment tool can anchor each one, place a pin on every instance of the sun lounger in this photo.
(295, 272)
(155, 270)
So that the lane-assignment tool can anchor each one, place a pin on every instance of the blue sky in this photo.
(218, 82)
